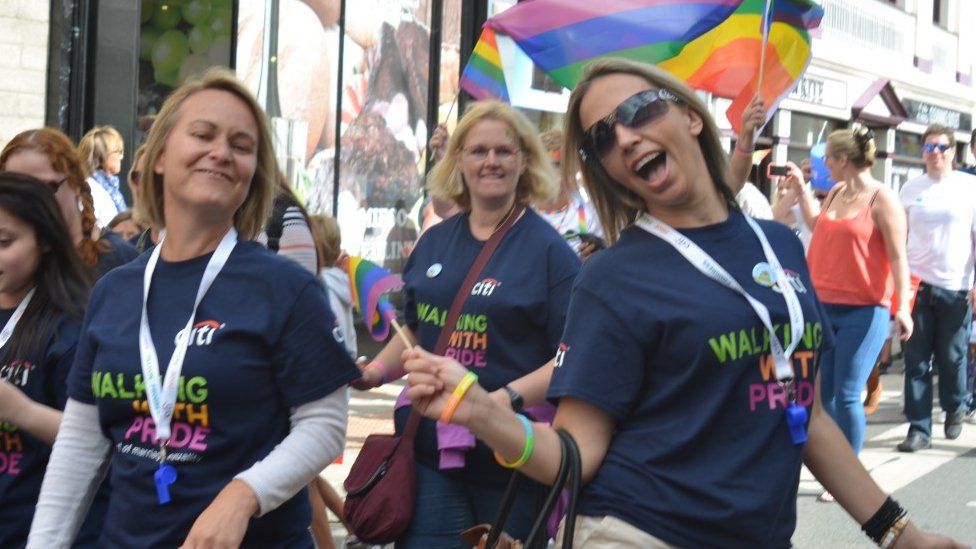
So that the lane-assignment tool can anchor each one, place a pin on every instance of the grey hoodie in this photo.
(340, 298)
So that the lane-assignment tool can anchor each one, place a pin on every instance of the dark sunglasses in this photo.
(635, 111)
(929, 148)
(55, 186)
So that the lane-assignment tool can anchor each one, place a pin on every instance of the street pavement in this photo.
(937, 486)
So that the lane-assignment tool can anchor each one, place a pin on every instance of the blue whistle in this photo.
(796, 420)
(164, 476)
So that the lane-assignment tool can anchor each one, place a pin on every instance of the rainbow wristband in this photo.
(526, 452)
(742, 150)
(454, 401)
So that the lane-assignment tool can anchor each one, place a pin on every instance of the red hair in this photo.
(64, 159)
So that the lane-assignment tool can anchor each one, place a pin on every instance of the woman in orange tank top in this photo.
(858, 264)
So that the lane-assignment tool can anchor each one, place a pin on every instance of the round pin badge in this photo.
(434, 270)
(762, 273)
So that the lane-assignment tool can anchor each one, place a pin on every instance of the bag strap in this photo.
(455, 311)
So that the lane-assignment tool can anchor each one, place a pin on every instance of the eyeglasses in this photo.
(480, 154)
(635, 111)
(930, 148)
(55, 185)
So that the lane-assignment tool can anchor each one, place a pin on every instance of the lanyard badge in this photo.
(161, 394)
(796, 415)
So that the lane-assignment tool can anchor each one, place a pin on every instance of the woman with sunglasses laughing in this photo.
(687, 368)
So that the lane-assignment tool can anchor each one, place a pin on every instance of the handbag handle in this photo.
(455, 311)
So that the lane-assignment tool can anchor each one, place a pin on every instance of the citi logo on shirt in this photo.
(561, 354)
(17, 372)
(201, 334)
(486, 287)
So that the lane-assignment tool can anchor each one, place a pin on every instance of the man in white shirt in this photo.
(941, 208)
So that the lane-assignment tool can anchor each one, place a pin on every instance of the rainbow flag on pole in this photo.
(725, 60)
(561, 36)
(483, 77)
(369, 284)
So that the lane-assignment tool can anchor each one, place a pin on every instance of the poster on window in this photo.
(385, 69)
(178, 39)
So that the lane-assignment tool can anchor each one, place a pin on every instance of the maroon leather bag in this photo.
(381, 486)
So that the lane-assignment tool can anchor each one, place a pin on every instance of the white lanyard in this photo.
(704, 263)
(8, 328)
(162, 397)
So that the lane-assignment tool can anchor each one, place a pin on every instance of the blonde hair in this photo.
(251, 215)
(616, 205)
(327, 237)
(537, 183)
(97, 144)
(553, 139)
(856, 145)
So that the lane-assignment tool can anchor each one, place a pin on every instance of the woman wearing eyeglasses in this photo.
(857, 261)
(493, 167)
(687, 368)
(48, 155)
(102, 149)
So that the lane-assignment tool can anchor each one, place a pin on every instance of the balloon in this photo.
(820, 175)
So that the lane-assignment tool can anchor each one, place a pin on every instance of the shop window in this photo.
(940, 10)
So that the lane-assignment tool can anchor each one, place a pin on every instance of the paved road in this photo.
(938, 486)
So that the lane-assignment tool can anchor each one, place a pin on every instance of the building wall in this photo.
(24, 26)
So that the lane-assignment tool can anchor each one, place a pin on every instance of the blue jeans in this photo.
(447, 506)
(942, 318)
(859, 332)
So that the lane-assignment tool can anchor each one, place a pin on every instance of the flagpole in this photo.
(765, 40)
(401, 333)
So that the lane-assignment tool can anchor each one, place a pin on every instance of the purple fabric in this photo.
(454, 441)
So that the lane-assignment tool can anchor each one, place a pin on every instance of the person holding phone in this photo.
(858, 265)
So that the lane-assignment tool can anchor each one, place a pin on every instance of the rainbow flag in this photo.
(725, 60)
(483, 77)
(561, 36)
(369, 284)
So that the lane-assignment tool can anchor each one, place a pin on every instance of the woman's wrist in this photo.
(378, 373)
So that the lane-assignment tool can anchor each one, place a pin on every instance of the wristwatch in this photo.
(515, 399)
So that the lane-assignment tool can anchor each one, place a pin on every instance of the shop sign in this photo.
(821, 91)
(926, 114)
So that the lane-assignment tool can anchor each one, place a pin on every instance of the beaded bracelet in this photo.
(883, 520)
(382, 367)
(455, 399)
(526, 452)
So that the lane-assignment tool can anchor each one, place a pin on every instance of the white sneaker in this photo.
(971, 416)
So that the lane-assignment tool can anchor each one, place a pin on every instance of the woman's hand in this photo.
(438, 142)
(432, 379)
(913, 538)
(371, 376)
(903, 319)
(752, 119)
(12, 402)
(224, 522)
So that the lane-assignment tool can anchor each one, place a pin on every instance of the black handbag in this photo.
(568, 477)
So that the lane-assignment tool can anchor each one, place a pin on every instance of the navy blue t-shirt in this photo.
(701, 455)
(509, 325)
(263, 342)
(118, 252)
(23, 458)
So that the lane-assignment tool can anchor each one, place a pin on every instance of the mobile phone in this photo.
(777, 170)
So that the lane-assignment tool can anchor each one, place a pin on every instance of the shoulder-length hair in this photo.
(64, 159)
(62, 281)
(617, 205)
(251, 215)
(97, 144)
(537, 183)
